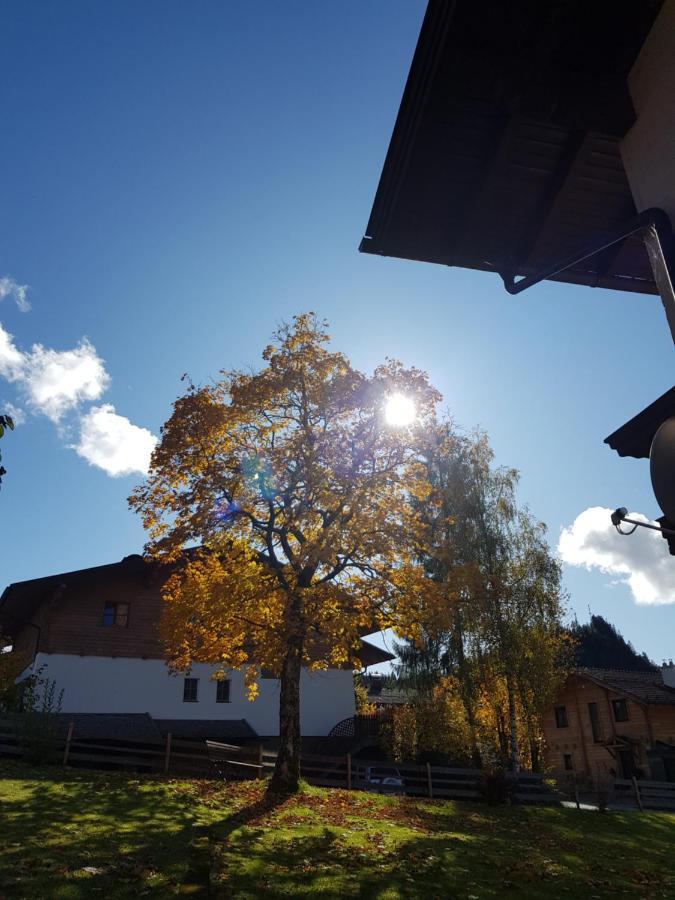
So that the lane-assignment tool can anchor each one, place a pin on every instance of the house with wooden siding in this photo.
(94, 632)
(613, 722)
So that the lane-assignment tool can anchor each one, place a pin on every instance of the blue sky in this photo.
(176, 179)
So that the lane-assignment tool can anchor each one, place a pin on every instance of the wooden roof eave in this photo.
(612, 690)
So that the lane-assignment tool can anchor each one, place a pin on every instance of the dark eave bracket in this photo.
(655, 228)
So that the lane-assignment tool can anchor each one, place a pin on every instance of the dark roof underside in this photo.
(109, 726)
(206, 729)
(636, 436)
(371, 654)
(505, 154)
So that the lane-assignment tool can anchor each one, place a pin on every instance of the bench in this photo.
(220, 757)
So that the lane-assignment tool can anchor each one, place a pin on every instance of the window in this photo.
(595, 721)
(567, 759)
(190, 688)
(223, 690)
(620, 708)
(116, 614)
(561, 717)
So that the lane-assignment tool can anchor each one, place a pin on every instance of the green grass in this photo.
(79, 835)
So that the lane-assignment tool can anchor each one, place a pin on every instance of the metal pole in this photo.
(69, 738)
(167, 754)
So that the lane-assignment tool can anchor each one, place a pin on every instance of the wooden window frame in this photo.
(190, 681)
(561, 720)
(594, 718)
(221, 684)
(622, 703)
(117, 616)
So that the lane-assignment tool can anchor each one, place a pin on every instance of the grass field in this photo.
(79, 834)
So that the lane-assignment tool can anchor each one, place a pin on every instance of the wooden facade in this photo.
(70, 613)
(610, 722)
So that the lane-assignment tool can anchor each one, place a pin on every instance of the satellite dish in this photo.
(662, 467)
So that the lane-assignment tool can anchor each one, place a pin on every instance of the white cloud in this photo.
(11, 288)
(641, 560)
(57, 381)
(54, 381)
(11, 359)
(113, 443)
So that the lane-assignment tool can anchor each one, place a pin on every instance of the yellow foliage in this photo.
(297, 495)
(434, 722)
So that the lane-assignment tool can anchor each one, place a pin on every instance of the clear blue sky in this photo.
(178, 177)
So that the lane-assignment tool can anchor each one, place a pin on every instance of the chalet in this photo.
(95, 633)
(613, 722)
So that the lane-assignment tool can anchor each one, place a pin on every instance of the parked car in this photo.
(380, 779)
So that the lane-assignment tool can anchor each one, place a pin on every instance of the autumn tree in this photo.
(498, 627)
(296, 491)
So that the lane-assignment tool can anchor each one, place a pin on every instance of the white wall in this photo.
(103, 684)
(648, 150)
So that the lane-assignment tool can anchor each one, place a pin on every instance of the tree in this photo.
(5, 422)
(497, 629)
(12, 664)
(600, 645)
(297, 494)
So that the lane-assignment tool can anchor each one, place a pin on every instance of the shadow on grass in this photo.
(455, 852)
(85, 834)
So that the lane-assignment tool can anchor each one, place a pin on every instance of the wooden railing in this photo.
(419, 780)
(179, 756)
(646, 794)
(169, 756)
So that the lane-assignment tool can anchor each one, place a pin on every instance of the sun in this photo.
(399, 410)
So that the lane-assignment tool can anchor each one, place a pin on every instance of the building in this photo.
(536, 140)
(95, 633)
(529, 133)
(613, 722)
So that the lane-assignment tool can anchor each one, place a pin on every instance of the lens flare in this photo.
(399, 410)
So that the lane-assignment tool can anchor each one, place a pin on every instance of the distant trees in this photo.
(599, 645)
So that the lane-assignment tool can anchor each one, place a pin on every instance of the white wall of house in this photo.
(101, 684)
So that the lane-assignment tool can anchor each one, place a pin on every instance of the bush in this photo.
(497, 787)
(39, 705)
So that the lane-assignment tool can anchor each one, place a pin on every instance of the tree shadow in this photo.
(458, 851)
(67, 834)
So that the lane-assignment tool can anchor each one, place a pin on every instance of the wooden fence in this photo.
(169, 756)
(178, 756)
(645, 794)
(418, 780)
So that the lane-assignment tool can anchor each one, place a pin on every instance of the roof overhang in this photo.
(636, 436)
(371, 655)
(505, 154)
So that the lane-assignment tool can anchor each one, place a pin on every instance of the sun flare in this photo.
(399, 410)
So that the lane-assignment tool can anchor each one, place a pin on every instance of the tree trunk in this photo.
(513, 726)
(466, 688)
(286, 775)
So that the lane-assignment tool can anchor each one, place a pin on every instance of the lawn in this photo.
(79, 834)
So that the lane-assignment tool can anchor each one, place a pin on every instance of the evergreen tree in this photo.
(599, 645)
